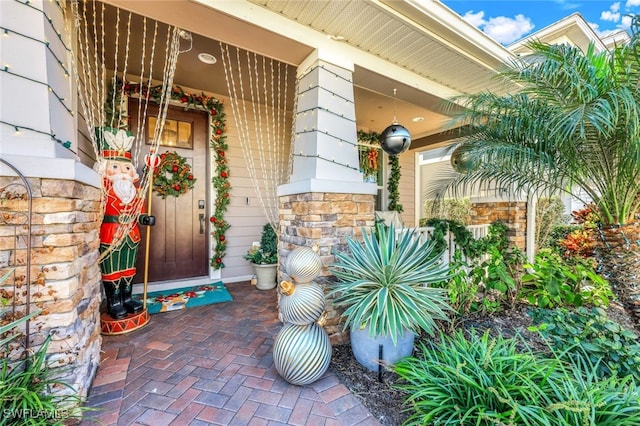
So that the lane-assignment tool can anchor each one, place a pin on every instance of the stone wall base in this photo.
(323, 220)
(512, 213)
(64, 273)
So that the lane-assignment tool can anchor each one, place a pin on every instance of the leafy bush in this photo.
(471, 247)
(589, 332)
(578, 243)
(553, 282)
(487, 381)
(486, 273)
(549, 213)
(27, 392)
(477, 381)
(557, 234)
(484, 285)
(267, 253)
(577, 395)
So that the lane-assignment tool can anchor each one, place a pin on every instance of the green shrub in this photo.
(484, 285)
(557, 234)
(577, 395)
(553, 282)
(28, 393)
(590, 333)
(487, 381)
(472, 382)
(549, 213)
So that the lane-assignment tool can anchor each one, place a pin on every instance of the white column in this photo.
(325, 152)
(37, 107)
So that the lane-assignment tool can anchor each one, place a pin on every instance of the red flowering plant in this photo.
(581, 242)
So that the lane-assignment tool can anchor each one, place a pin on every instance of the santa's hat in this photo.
(116, 143)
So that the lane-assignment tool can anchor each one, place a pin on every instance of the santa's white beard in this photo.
(123, 187)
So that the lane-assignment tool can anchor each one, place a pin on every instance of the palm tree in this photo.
(572, 125)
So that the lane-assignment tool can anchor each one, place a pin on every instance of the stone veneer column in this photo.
(65, 274)
(324, 220)
(511, 213)
(325, 199)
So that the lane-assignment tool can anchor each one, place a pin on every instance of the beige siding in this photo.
(245, 213)
(407, 187)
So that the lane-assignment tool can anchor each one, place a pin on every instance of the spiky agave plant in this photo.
(383, 282)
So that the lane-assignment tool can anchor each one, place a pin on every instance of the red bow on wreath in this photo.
(372, 156)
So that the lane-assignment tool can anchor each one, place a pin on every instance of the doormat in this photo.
(187, 297)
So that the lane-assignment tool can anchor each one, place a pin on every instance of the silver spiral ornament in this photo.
(303, 305)
(301, 353)
(303, 265)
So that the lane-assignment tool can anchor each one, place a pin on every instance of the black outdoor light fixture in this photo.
(395, 139)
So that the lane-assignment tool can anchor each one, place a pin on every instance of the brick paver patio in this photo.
(212, 365)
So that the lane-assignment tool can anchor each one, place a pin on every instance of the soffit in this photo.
(402, 39)
(404, 35)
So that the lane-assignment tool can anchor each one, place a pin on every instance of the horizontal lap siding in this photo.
(246, 220)
(407, 187)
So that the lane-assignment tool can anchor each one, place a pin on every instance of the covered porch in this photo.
(212, 365)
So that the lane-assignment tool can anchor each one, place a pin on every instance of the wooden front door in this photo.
(178, 245)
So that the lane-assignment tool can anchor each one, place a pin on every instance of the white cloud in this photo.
(565, 5)
(607, 15)
(613, 14)
(632, 3)
(626, 22)
(475, 19)
(501, 28)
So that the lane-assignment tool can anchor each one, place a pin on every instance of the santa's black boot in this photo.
(131, 305)
(114, 300)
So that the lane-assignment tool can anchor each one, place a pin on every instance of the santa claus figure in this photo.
(122, 206)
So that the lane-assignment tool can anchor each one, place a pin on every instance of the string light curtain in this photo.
(258, 90)
(103, 64)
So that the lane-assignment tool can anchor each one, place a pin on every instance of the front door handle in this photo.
(201, 216)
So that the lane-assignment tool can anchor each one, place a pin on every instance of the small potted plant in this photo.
(265, 258)
(383, 284)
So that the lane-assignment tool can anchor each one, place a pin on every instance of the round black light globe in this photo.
(395, 139)
(461, 160)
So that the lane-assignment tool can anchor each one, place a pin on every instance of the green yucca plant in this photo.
(383, 282)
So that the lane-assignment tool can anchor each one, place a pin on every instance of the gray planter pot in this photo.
(266, 276)
(367, 349)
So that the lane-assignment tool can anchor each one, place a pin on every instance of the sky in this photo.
(508, 21)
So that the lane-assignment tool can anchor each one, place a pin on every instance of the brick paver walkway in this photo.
(212, 365)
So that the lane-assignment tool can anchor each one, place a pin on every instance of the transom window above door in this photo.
(175, 134)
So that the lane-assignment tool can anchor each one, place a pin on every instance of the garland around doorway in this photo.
(217, 142)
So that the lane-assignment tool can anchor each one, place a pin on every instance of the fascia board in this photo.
(439, 22)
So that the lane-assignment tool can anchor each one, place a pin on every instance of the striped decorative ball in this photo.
(301, 353)
(303, 265)
(303, 305)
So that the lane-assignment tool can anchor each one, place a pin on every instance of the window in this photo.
(175, 134)
(372, 161)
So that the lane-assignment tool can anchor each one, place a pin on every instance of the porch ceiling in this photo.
(418, 38)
